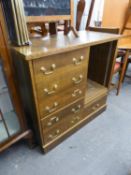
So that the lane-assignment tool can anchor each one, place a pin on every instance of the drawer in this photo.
(94, 106)
(53, 103)
(65, 77)
(48, 66)
(59, 122)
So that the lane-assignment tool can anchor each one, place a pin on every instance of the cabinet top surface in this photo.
(59, 43)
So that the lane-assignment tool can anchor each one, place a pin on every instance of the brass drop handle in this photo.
(77, 118)
(76, 92)
(53, 120)
(76, 110)
(48, 72)
(53, 91)
(52, 136)
(50, 110)
(78, 61)
(96, 106)
(77, 81)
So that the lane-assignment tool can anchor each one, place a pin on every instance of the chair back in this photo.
(80, 10)
(112, 30)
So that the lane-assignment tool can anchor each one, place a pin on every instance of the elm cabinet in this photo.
(63, 82)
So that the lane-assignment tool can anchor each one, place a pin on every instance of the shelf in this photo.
(12, 123)
(94, 91)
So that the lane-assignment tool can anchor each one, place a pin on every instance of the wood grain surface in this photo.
(50, 45)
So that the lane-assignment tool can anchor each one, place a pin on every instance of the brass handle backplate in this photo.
(76, 92)
(52, 121)
(77, 80)
(75, 119)
(78, 61)
(53, 91)
(48, 72)
(53, 136)
(50, 110)
(96, 107)
(77, 109)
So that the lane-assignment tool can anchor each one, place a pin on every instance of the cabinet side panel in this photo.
(23, 80)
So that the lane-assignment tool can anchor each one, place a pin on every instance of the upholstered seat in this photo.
(117, 67)
(121, 53)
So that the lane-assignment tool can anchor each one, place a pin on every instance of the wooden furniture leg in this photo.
(43, 29)
(53, 28)
(69, 28)
(123, 71)
(125, 75)
(65, 27)
(30, 139)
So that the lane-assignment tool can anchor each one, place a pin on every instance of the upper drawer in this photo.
(52, 65)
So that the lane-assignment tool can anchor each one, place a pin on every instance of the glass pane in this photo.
(3, 133)
(10, 126)
(2, 81)
(12, 122)
(5, 102)
(46, 7)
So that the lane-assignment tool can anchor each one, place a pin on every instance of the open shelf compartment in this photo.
(94, 91)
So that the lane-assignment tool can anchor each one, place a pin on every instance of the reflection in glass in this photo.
(46, 7)
(9, 123)
(3, 132)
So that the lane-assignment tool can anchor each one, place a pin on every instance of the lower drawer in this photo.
(58, 123)
(94, 106)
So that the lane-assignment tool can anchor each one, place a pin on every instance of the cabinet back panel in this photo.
(101, 61)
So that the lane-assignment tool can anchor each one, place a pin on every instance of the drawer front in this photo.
(93, 107)
(58, 123)
(65, 77)
(63, 86)
(49, 66)
(53, 103)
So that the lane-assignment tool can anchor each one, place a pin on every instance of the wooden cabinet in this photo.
(63, 82)
(12, 120)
